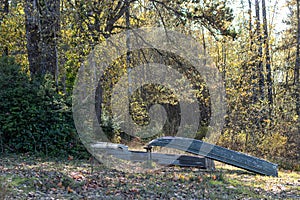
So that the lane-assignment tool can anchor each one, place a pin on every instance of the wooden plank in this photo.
(218, 153)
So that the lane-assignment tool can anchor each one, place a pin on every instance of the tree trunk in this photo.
(253, 67)
(224, 61)
(297, 68)
(32, 35)
(204, 46)
(6, 12)
(128, 54)
(268, 58)
(42, 26)
(260, 56)
(253, 71)
(50, 25)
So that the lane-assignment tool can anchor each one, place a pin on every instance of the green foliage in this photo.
(34, 117)
(110, 127)
(12, 31)
(202, 131)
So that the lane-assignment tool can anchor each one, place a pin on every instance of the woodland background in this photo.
(253, 43)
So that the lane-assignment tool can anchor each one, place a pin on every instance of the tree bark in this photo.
(32, 35)
(5, 11)
(128, 54)
(253, 67)
(224, 61)
(203, 45)
(50, 25)
(42, 21)
(268, 58)
(297, 68)
(260, 56)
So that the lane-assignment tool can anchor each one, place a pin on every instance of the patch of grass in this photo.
(248, 192)
(234, 182)
(3, 189)
(215, 182)
(24, 184)
(11, 182)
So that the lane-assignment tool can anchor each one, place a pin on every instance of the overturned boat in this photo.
(214, 152)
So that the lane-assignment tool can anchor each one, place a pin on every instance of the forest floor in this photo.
(26, 177)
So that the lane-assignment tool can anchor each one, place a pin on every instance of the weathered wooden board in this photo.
(121, 151)
(218, 153)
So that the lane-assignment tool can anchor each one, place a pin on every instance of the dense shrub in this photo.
(34, 117)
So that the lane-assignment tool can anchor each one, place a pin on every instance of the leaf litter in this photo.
(26, 177)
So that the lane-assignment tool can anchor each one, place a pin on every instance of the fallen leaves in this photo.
(199, 179)
(73, 180)
(77, 176)
(70, 190)
(214, 177)
(60, 185)
(70, 157)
